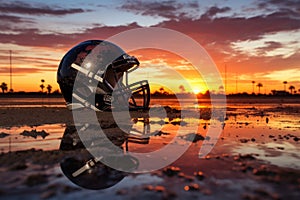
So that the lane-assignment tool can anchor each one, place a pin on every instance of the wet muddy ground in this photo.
(256, 156)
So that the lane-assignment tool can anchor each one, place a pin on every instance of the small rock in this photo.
(171, 171)
(3, 135)
(192, 187)
(194, 137)
(199, 175)
(244, 140)
(149, 188)
(159, 188)
(208, 157)
(247, 157)
(263, 171)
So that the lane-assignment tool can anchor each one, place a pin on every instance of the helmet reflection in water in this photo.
(86, 171)
(101, 68)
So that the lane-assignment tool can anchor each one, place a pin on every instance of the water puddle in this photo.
(45, 137)
(280, 154)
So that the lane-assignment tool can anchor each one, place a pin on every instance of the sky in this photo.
(252, 40)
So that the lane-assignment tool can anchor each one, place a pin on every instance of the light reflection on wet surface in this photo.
(13, 140)
(227, 174)
(270, 131)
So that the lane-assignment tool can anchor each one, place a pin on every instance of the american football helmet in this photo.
(101, 71)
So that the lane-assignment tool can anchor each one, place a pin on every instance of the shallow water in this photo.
(12, 140)
(25, 102)
(268, 132)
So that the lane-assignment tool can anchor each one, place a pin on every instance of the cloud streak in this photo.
(21, 7)
(169, 9)
(24, 70)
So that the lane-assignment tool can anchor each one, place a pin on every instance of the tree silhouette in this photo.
(3, 87)
(253, 82)
(291, 88)
(42, 85)
(49, 88)
(161, 90)
(284, 83)
(259, 85)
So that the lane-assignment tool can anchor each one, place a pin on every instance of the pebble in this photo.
(158, 188)
(192, 187)
(247, 157)
(263, 171)
(3, 135)
(199, 175)
(244, 140)
(171, 171)
(149, 188)
(194, 137)
(208, 157)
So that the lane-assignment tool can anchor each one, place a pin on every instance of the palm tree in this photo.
(3, 87)
(161, 90)
(49, 88)
(284, 83)
(259, 85)
(42, 85)
(253, 82)
(291, 88)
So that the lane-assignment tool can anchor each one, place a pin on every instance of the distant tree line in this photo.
(161, 92)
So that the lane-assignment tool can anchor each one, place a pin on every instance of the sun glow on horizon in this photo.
(196, 91)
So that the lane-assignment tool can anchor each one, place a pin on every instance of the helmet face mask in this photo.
(102, 69)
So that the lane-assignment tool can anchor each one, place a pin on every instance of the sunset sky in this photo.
(257, 40)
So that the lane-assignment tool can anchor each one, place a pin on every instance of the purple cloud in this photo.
(169, 9)
(211, 12)
(26, 8)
